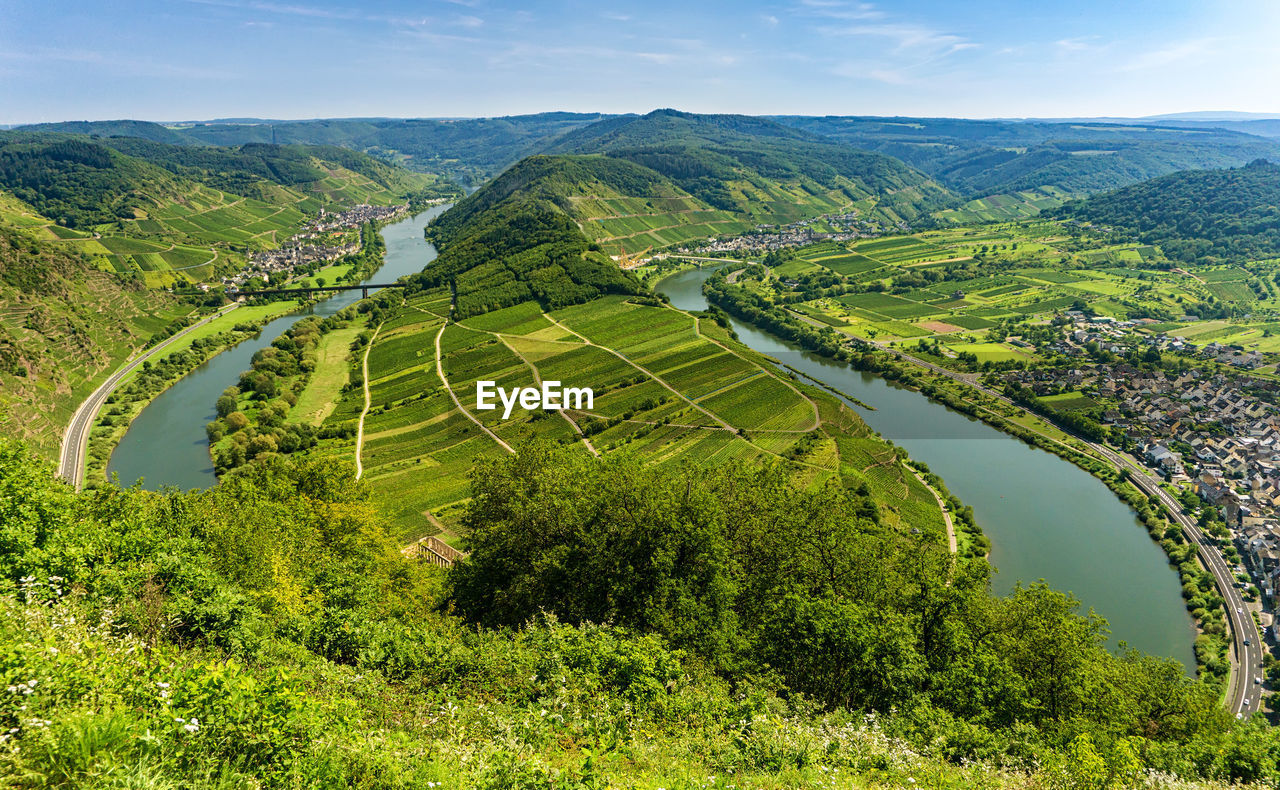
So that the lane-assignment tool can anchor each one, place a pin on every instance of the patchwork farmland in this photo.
(669, 386)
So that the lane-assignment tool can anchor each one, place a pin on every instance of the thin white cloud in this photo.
(1069, 45)
(1168, 55)
(112, 64)
(839, 9)
(903, 37)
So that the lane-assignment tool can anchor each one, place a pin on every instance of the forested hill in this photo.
(985, 157)
(82, 182)
(746, 164)
(544, 228)
(470, 150)
(514, 239)
(1200, 216)
(64, 324)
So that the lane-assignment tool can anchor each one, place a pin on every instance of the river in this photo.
(1047, 519)
(166, 444)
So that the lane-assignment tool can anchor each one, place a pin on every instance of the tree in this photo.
(225, 405)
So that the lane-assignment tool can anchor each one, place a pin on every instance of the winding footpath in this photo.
(454, 396)
(75, 442)
(364, 368)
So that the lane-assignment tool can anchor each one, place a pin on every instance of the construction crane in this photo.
(631, 261)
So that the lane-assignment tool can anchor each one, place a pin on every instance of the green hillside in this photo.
(513, 240)
(266, 633)
(63, 326)
(171, 215)
(758, 169)
(1202, 216)
(469, 151)
(982, 158)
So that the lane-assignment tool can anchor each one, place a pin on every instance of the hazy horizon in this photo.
(1194, 115)
(204, 59)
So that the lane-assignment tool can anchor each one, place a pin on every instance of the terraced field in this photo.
(190, 238)
(668, 386)
(955, 284)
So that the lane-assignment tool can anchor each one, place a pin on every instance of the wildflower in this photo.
(163, 685)
(192, 726)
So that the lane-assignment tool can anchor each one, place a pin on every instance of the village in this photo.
(279, 264)
(1212, 429)
(847, 226)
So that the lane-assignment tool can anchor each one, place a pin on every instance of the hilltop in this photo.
(758, 168)
(171, 214)
(1045, 162)
(1199, 216)
(469, 151)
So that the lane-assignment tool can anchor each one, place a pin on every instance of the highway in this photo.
(1246, 659)
(75, 442)
(1246, 643)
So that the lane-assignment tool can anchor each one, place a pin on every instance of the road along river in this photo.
(166, 444)
(1047, 519)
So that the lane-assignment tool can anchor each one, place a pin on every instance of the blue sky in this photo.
(198, 59)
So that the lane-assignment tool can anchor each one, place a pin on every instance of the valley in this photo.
(783, 465)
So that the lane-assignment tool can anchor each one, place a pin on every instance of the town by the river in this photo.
(1046, 518)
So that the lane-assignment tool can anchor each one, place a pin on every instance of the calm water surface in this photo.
(1047, 519)
(166, 445)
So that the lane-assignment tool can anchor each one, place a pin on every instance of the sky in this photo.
(175, 60)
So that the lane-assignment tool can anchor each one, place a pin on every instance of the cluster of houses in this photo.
(848, 226)
(353, 217)
(1217, 434)
(1118, 336)
(273, 266)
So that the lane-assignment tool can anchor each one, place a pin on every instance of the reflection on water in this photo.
(1047, 519)
(166, 444)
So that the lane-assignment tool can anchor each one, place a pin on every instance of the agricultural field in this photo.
(632, 224)
(668, 386)
(195, 236)
(957, 284)
(1006, 207)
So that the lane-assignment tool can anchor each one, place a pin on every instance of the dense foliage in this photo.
(77, 182)
(470, 150)
(81, 182)
(267, 633)
(985, 157)
(1203, 216)
(702, 153)
(510, 242)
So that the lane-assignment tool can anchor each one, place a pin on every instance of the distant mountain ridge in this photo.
(983, 157)
(738, 162)
(542, 229)
(971, 157)
(470, 151)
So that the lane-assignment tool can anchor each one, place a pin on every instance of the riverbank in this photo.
(1211, 643)
(166, 443)
(136, 390)
(1045, 518)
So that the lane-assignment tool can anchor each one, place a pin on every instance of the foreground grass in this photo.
(91, 706)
